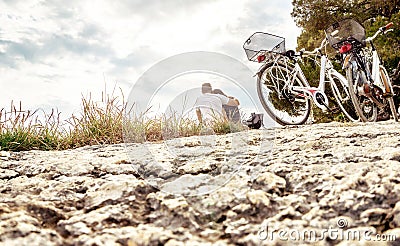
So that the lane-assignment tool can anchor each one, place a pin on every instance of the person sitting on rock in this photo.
(232, 112)
(209, 106)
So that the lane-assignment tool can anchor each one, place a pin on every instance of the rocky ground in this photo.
(277, 185)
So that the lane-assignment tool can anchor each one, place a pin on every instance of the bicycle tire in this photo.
(284, 106)
(366, 109)
(393, 109)
(340, 90)
(388, 86)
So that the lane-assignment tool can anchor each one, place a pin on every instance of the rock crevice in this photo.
(310, 177)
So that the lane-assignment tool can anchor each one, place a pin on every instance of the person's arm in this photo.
(228, 100)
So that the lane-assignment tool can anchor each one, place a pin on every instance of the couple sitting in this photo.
(214, 105)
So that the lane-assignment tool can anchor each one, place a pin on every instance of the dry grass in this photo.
(97, 124)
(108, 122)
(24, 130)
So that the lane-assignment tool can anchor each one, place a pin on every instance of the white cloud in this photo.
(54, 51)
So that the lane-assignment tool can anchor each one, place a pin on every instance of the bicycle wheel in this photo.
(281, 103)
(366, 109)
(389, 89)
(340, 90)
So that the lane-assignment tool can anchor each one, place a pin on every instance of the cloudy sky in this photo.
(53, 52)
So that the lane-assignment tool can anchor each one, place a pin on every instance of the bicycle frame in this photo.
(326, 73)
(375, 69)
(372, 77)
(376, 64)
(316, 93)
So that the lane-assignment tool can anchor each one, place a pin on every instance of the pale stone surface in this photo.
(298, 179)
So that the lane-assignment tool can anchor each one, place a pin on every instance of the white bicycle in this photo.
(370, 86)
(282, 86)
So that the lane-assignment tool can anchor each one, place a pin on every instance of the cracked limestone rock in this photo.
(216, 190)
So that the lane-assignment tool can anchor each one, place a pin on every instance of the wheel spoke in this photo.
(282, 104)
(365, 108)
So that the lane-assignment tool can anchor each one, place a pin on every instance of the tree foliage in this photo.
(314, 16)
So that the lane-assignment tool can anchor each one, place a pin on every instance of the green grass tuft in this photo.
(98, 123)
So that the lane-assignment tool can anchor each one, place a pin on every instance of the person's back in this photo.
(210, 106)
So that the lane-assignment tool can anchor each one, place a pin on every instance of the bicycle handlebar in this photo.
(316, 50)
(292, 53)
(382, 30)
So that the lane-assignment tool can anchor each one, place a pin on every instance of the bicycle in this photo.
(370, 86)
(282, 87)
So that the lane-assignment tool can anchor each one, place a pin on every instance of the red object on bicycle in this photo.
(388, 25)
(384, 28)
(261, 58)
(345, 48)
